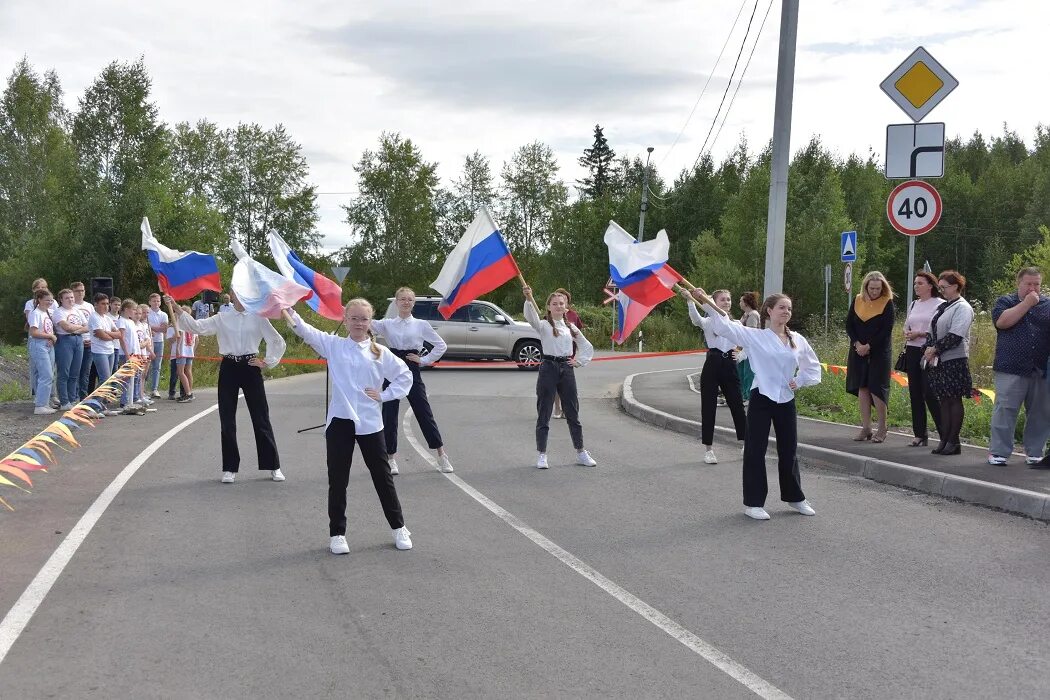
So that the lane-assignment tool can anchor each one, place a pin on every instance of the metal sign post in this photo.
(827, 287)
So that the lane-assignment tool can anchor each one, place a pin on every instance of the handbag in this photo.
(901, 365)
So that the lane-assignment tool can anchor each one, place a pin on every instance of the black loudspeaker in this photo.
(210, 297)
(103, 285)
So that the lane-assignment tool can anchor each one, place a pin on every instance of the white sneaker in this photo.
(996, 460)
(584, 459)
(338, 545)
(402, 539)
(803, 507)
(444, 466)
(710, 458)
(43, 411)
(557, 414)
(393, 466)
(1030, 460)
(69, 407)
(228, 477)
(155, 395)
(756, 513)
(541, 463)
(277, 475)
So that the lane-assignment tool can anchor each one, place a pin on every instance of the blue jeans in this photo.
(103, 365)
(119, 359)
(85, 372)
(69, 354)
(154, 367)
(42, 360)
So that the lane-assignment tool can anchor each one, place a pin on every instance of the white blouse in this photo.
(774, 363)
(239, 332)
(409, 334)
(714, 340)
(353, 368)
(560, 346)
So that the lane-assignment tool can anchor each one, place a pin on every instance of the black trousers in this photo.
(761, 413)
(719, 372)
(174, 377)
(340, 437)
(417, 399)
(919, 393)
(557, 378)
(233, 378)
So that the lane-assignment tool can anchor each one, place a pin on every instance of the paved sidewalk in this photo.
(667, 400)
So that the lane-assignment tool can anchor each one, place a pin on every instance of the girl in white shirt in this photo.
(129, 346)
(718, 372)
(69, 350)
(145, 338)
(183, 351)
(358, 368)
(404, 336)
(42, 341)
(556, 372)
(782, 361)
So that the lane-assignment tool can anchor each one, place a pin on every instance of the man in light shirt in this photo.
(225, 304)
(239, 333)
(85, 309)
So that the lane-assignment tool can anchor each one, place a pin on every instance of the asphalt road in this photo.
(640, 578)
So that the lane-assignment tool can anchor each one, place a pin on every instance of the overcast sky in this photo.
(493, 75)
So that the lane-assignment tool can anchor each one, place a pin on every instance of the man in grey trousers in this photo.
(1022, 320)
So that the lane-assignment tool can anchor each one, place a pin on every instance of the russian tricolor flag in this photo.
(261, 290)
(628, 315)
(327, 296)
(180, 275)
(479, 263)
(640, 269)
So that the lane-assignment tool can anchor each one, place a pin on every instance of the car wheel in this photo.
(528, 354)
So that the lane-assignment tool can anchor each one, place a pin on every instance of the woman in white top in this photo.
(718, 372)
(183, 347)
(749, 306)
(145, 337)
(358, 368)
(69, 350)
(783, 361)
(405, 336)
(916, 326)
(556, 372)
(129, 347)
(42, 340)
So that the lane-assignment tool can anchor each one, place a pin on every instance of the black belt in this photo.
(556, 358)
(404, 353)
(723, 353)
(240, 358)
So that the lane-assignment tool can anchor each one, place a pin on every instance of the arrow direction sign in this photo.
(914, 151)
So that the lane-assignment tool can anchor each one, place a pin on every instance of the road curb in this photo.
(1013, 500)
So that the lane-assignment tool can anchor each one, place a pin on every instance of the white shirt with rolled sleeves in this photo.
(353, 368)
(714, 340)
(157, 318)
(560, 346)
(774, 363)
(409, 334)
(239, 333)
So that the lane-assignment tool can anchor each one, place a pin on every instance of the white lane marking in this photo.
(753, 682)
(692, 384)
(26, 606)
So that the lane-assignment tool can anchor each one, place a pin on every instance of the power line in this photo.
(742, 74)
(704, 89)
(728, 85)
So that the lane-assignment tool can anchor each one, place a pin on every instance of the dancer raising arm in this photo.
(782, 361)
(405, 335)
(718, 372)
(556, 373)
(358, 368)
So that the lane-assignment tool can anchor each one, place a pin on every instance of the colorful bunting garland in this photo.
(39, 452)
(902, 379)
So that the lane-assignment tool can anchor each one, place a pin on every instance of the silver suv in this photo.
(479, 330)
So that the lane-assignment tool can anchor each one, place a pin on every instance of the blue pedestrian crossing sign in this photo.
(849, 246)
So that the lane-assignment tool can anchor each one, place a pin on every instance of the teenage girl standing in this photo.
(718, 372)
(358, 369)
(405, 336)
(42, 341)
(749, 306)
(783, 361)
(556, 372)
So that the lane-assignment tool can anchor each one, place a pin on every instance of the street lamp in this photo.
(645, 194)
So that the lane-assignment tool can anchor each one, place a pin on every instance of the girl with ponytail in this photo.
(783, 362)
(358, 368)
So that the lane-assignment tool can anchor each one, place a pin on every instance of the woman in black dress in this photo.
(869, 326)
(946, 356)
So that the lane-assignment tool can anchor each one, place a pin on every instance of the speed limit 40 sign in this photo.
(914, 207)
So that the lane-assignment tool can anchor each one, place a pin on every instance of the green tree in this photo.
(261, 185)
(598, 160)
(456, 207)
(393, 219)
(532, 197)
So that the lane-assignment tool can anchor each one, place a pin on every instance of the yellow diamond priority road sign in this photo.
(919, 84)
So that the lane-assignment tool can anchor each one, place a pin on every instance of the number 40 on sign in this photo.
(914, 207)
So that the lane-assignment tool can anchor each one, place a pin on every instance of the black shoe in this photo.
(939, 449)
(171, 397)
(919, 442)
(951, 449)
(1044, 463)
